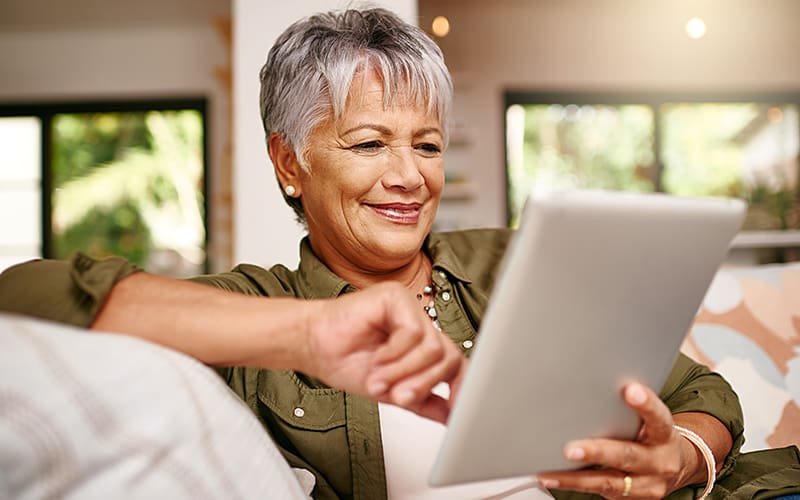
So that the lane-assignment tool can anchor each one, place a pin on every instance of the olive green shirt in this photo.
(337, 436)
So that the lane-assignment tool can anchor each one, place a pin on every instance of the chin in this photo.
(399, 245)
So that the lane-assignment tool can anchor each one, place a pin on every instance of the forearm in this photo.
(694, 390)
(375, 343)
(215, 326)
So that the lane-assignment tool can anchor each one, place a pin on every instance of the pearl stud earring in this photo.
(289, 190)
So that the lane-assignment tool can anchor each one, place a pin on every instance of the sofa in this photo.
(748, 329)
(109, 416)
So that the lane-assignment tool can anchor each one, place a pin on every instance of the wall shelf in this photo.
(751, 248)
(766, 239)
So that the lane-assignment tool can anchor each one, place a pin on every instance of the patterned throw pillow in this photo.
(87, 415)
(748, 329)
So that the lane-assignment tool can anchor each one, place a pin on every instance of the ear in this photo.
(287, 168)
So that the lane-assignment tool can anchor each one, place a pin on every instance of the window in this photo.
(700, 145)
(107, 179)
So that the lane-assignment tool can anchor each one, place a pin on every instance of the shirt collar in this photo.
(316, 280)
(444, 257)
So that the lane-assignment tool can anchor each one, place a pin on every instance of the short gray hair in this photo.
(310, 69)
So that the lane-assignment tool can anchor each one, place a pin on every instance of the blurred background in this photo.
(133, 129)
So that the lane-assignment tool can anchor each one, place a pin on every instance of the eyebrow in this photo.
(386, 131)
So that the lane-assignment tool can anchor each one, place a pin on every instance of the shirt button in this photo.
(467, 344)
(446, 296)
(299, 412)
(442, 274)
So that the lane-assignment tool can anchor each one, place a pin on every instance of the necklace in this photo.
(429, 293)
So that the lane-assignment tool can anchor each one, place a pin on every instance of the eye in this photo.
(367, 147)
(429, 149)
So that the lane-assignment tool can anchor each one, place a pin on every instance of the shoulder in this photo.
(471, 245)
(469, 240)
(472, 255)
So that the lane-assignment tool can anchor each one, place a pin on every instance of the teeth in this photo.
(396, 210)
(399, 212)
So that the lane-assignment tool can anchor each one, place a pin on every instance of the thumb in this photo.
(455, 384)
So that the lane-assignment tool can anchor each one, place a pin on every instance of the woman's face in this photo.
(375, 179)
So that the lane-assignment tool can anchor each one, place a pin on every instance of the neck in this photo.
(414, 275)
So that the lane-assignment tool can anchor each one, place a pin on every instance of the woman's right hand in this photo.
(378, 343)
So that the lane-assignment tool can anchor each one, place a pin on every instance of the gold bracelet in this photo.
(711, 464)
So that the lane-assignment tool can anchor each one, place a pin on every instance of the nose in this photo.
(403, 171)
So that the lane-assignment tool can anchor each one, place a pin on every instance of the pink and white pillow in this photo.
(748, 329)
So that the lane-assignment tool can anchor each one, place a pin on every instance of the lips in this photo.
(398, 213)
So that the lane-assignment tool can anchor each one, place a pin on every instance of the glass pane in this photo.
(578, 147)
(747, 150)
(130, 184)
(20, 190)
(21, 220)
(20, 150)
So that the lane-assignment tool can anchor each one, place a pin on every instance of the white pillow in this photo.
(88, 415)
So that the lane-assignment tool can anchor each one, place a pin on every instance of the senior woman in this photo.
(356, 108)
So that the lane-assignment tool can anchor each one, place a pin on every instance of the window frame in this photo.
(45, 112)
(654, 100)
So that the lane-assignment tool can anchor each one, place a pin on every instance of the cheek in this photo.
(434, 176)
(343, 187)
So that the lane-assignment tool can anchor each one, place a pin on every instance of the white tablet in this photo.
(596, 289)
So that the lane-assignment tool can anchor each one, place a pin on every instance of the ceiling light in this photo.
(440, 26)
(695, 28)
(775, 114)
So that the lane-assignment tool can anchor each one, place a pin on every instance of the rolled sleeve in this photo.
(692, 387)
(67, 291)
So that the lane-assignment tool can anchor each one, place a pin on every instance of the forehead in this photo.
(368, 94)
(366, 89)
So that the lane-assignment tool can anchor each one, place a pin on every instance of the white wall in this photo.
(102, 63)
(264, 228)
(751, 45)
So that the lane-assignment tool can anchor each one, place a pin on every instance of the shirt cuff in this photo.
(66, 291)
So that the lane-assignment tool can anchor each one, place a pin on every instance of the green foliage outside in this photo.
(702, 150)
(592, 147)
(704, 155)
(700, 153)
(129, 184)
(118, 230)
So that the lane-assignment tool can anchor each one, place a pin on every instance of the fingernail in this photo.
(574, 453)
(377, 388)
(636, 394)
(405, 397)
(549, 483)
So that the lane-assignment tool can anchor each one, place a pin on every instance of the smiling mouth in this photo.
(399, 213)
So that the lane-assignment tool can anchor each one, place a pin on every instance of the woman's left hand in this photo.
(657, 463)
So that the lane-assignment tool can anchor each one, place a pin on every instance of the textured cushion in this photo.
(86, 415)
(748, 329)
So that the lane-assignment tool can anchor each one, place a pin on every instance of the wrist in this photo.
(273, 333)
(699, 459)
(310, 316)
(694, 469)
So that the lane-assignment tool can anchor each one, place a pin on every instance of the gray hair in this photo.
(310, 69)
